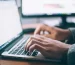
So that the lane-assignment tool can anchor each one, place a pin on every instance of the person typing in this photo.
(50, 44)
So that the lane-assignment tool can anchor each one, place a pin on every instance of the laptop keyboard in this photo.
(19, 49)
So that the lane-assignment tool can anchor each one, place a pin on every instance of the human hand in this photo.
(53, 32)
(49, 48)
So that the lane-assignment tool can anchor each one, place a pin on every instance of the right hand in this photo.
(49, 48)
(53, 32)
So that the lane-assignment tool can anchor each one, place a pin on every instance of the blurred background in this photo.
(60, 13)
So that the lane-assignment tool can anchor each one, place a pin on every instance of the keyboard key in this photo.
(19, 47)
(34, 53)
(24, 53)
(28, 54)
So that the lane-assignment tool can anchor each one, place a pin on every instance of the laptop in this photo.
(12, 39)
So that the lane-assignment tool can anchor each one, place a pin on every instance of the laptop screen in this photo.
(10, 25)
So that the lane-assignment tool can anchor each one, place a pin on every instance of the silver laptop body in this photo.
(12, 38)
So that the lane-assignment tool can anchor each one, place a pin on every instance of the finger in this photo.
(48, 35)
(44, 38)
(37, 47)
(37, 39)
(37, 31)
(41, 49)
(51, 36)
(32, 38)
(27, 43)
(49, 29)
(35, 42)
(40, 38)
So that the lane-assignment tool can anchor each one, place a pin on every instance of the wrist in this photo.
(64, 55)
(67, 34)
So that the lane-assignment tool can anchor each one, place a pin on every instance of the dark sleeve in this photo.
(72, 30)
(71, 51)
(71, 55)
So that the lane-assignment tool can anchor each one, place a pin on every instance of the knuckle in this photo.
(35, 45)
(46, 49)
(31, 37)
(32, 47)
(41, 25)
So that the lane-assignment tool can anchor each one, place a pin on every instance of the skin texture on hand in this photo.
(53, 32)
(48, 47)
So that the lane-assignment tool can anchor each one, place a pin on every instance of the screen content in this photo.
(49, 7)
(10, 24)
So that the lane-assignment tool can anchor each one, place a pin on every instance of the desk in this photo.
(10, 62)
(13, 62)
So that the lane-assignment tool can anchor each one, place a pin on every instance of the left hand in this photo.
(53, 32)
(48, 47)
